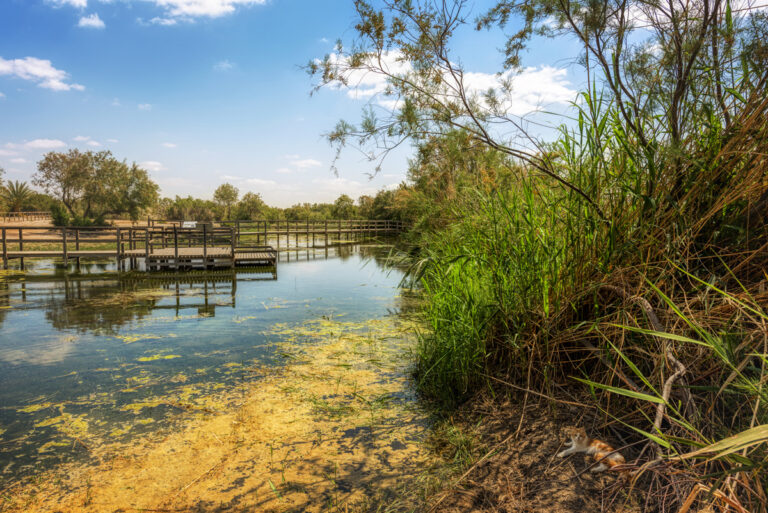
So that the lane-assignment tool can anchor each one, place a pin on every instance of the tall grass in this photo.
(661, 304)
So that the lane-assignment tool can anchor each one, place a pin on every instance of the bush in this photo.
(87, 221)
(60, 215)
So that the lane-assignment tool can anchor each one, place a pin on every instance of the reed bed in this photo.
(656, 311)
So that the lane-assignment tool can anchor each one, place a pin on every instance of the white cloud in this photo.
(112, 141)
(333, 187)
(19, 160)
(91, 21)
(163, 22)
(260, 182)
(284, 171)
(44, 144)
(518, 93)
(7, 153)
(116, 102)
(306, 163)
(144, 106)
(80, 4)
(362, 84)
(224, 65)
(152, 165)
(231, 177)
(202, 8)
(87, 140)
(2, 95)
(169, 145)
(528, 91)
(40, 71)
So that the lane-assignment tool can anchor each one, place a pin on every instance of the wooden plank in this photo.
(70, 254)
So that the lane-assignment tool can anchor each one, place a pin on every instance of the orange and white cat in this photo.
(602, 453)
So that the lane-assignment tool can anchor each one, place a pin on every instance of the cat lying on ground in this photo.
(604, 455)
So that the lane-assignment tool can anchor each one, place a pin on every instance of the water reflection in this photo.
(95, 354)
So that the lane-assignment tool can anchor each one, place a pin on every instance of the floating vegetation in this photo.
(336, 426)
(158, 357)
(129, 339)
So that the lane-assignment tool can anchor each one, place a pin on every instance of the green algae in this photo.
(158, 357)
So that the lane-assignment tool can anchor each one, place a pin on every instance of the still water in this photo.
(91, 358)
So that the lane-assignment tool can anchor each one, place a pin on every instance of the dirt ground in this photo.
(12, 234)
(521, 472)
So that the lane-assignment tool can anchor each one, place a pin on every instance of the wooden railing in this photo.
(7, 217)
(233, 238)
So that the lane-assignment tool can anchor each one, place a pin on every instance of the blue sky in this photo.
(205, 91)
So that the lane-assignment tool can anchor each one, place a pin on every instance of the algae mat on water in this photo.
(335, 429)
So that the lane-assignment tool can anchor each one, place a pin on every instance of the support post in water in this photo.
(77, 248)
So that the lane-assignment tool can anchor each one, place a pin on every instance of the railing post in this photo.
(64, 244)
(205, 241)
(77, 248)
(146, 247)
(117, 248)
(233, 247)
(5, 251)
(176, 244)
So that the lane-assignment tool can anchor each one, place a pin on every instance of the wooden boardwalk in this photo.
(171, 246)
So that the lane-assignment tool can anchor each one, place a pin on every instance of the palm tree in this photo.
(15, 194)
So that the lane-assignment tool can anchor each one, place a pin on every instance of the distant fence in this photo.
(7, 217)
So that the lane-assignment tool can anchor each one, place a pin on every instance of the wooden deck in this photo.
(174, 246)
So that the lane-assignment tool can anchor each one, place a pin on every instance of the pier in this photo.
(176, 245)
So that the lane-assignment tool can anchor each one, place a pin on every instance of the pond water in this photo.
(93, 358)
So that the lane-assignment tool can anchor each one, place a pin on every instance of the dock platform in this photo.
(174, 245)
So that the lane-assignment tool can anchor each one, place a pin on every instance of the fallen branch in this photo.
(670, 358)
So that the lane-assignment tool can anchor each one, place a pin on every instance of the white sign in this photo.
(189, 224)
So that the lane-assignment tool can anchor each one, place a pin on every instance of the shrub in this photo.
(60, 215)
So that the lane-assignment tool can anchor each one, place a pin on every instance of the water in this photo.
(91, 358)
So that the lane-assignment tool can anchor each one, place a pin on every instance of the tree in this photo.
(364, 206)
(16, 195)
(666, 68)
(93, 185)
(343, 207)
(188, 209)
(250, 206)
(226, 196)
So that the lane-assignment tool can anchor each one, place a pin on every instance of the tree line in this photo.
(88, 188)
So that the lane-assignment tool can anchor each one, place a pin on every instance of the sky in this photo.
(201, 92)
